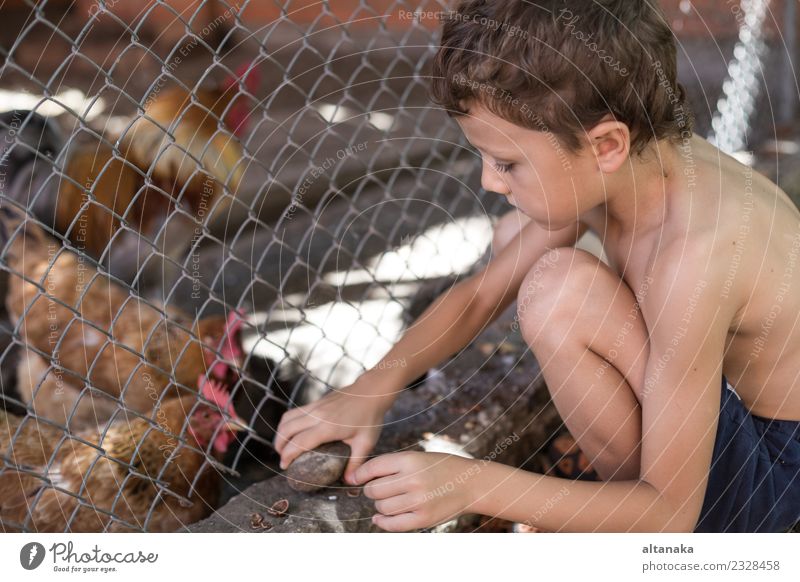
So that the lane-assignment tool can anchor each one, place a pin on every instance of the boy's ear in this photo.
(611, 143)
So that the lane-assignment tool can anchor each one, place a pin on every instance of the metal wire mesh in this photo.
(740, 90)
(307, 214)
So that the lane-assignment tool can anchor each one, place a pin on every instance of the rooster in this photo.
(186, 139)
(261, 396)
(89, 345)
(151, 474)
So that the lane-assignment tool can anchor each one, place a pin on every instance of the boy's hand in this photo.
(415, 490)
(346, 415)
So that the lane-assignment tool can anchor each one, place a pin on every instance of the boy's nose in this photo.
(492, 181)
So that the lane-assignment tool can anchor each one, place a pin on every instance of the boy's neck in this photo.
(636, 195)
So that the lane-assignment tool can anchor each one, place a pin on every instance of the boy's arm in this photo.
(354, 413)
(680, 403)
(456, 317)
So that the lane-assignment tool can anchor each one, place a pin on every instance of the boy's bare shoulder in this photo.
(725, 266)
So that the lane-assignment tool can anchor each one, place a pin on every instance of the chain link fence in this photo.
(211, 211)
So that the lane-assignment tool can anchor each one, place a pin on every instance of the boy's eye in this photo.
(503, 168)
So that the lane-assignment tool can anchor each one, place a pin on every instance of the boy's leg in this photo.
(587, 333)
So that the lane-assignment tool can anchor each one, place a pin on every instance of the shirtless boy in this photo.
(581, 124)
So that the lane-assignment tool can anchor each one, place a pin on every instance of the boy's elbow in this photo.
(660, 513)
(677, 516)
(678, 525)
(685, 521)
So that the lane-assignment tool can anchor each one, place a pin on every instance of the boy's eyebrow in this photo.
(497, 154)
(477, 145)
(500, 153)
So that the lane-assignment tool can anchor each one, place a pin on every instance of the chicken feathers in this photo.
(150, 474)
(89, 345)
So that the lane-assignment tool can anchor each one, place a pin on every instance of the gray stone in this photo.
(318, 468)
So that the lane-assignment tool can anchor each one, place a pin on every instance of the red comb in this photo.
(250, 75)
(215, 393)
(240, 111)
(218, 395)
(235, 322)
(231, 346)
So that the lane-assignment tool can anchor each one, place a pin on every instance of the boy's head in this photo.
(572, 73)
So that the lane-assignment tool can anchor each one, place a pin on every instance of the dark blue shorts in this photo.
(754, 481)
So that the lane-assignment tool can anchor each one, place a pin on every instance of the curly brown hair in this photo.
(561, 67)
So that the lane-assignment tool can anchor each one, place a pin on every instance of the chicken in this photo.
(29, 144)
(186, 139)
(260, 396)
(107, 209)
(155, 191)
(102, 203)
(151, 474)
(90, 346)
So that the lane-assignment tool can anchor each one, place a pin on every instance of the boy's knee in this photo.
(554, 289)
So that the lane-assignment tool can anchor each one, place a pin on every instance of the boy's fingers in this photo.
(281, 438)
(281, 435)
(305, 441)
(293, 414)
(287, 430)
(377, 467)
(405, 503)
(396, 523)
(296, 414)
(350, 471)
(385, 487)
(358, 454)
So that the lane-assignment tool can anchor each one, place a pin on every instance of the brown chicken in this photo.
(99, 193)
(151, 474)
(185, 139)
(77, 324)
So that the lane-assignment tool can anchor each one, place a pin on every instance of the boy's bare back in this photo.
(743, 231)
